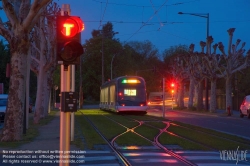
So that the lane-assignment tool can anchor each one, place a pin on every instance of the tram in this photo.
(125, 93)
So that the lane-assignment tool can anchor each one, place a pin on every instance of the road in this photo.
(220, 122)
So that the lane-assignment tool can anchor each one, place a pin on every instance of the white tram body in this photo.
(126, 93)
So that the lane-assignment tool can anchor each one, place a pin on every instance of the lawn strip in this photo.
(147, 132)
(131, 139)
(123, 120)
(168, 139)
(90, 136)
(159, 125)
(220, 134)
(107, 127)
(207, 139)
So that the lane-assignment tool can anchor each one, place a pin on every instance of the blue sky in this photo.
(159, 22)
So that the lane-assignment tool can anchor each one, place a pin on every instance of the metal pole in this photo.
(206, 80)
(72, 113)
(80, 87)
(64, 116)
(112, 67)
(64, 119)
(102, 61)
(163, 97)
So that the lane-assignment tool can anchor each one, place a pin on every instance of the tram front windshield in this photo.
(132, 93)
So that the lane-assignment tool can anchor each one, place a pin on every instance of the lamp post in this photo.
(113, 33)
(112, 66)
(204, 15)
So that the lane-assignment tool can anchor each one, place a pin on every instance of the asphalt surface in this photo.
(219, 121)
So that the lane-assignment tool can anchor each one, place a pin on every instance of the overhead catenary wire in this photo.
(147, 20)
(103, 14)
(122, 4)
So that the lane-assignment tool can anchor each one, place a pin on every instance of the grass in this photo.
(107, 127)
(220, 134)
(211, 141)
(111, 129)
(158, 125)
(147, 132)
(31, 132)
(131, 139)
(168, 139)
(86, 136)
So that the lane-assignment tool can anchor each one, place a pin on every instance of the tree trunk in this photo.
(213, 96)
(46, 100)
(13, 123)
(181, 96)
(191, 94)
(200, 96)
(228, 91)
(39, 108)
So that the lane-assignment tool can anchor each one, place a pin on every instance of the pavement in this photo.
(48, 138)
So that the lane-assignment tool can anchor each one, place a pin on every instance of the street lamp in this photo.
(204, 15)
(112, 66)
(113, 33)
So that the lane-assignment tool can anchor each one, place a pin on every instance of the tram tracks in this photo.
(139, 122)
(156, 143)
(242, 142)
(118, 154)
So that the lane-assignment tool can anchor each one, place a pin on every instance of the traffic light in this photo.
(69, 48)
(172, 87)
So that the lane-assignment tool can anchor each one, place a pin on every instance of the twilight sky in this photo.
(159, 22)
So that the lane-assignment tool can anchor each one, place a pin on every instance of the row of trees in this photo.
(28, 35)
(196, 66)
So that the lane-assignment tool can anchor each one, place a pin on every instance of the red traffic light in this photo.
(69, 26)
(69, 48)
(172, 84)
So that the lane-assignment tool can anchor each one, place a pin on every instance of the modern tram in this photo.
(125, 93)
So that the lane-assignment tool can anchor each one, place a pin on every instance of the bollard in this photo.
(228, 111)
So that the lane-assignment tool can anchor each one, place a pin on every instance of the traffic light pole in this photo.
(72, 117)
(64, 116)
(69, 50)
(163, 98)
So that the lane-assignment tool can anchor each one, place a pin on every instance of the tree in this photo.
(102, 40)
(234, 61)
(213, 63)
(43, 58)
(174, 59)
(142, 60)
(22, 16)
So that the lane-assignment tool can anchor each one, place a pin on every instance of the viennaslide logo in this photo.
(233, 155)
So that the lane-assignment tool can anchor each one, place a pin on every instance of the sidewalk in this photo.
(48, 138)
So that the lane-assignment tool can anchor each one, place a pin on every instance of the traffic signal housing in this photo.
(69, 48)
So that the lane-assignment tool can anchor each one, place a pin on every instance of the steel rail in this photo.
(118, 154)
(158, 144)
